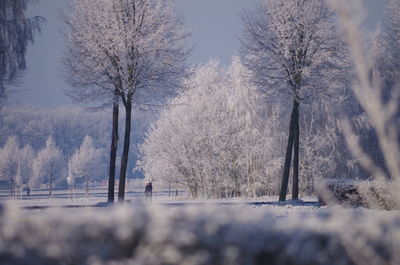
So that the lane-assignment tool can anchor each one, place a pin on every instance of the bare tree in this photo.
(289, 47)
(16, 32)
(123, 50)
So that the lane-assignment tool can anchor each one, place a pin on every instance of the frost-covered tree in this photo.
(384, 50)
(319, 138)
(85, 164)
(16, 32)
(212, 138)
(123, 50)
(392, 39)
(290, 47)
(68, 126)
(9, 163)
(26, 157)
(48, 164)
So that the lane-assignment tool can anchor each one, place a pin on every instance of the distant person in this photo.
(148, 191)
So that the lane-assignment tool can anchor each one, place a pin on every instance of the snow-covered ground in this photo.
(40, 199)
(79, 197)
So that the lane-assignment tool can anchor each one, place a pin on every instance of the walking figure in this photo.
(148, 191)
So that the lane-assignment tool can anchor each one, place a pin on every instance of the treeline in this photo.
(53, 138)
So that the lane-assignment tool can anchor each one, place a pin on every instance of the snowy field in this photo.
(97, 194)
(65, 198)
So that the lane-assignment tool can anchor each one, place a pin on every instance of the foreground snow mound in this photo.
(200, 235)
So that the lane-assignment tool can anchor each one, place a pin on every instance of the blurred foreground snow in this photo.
(202, 234)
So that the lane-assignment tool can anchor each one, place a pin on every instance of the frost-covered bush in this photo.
(380, 194)
(373, 193)
(213, 137)
(195, 236)
(339, 191)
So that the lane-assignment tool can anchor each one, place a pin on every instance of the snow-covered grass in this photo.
(39, 197)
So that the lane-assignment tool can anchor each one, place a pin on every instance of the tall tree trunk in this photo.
(288, 156)
(125, 152)
(113, 152)
(296, 146)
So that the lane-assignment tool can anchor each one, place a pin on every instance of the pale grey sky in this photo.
(216, 25)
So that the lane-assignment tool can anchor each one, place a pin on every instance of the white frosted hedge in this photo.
(198, 235)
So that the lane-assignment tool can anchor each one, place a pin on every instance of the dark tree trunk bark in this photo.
(113, 153)
(296, 146)
(288, 156)
(125, 152)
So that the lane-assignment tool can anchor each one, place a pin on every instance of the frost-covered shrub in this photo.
(375, 194)
(339, 191)
(199, 235)
(380, 194)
